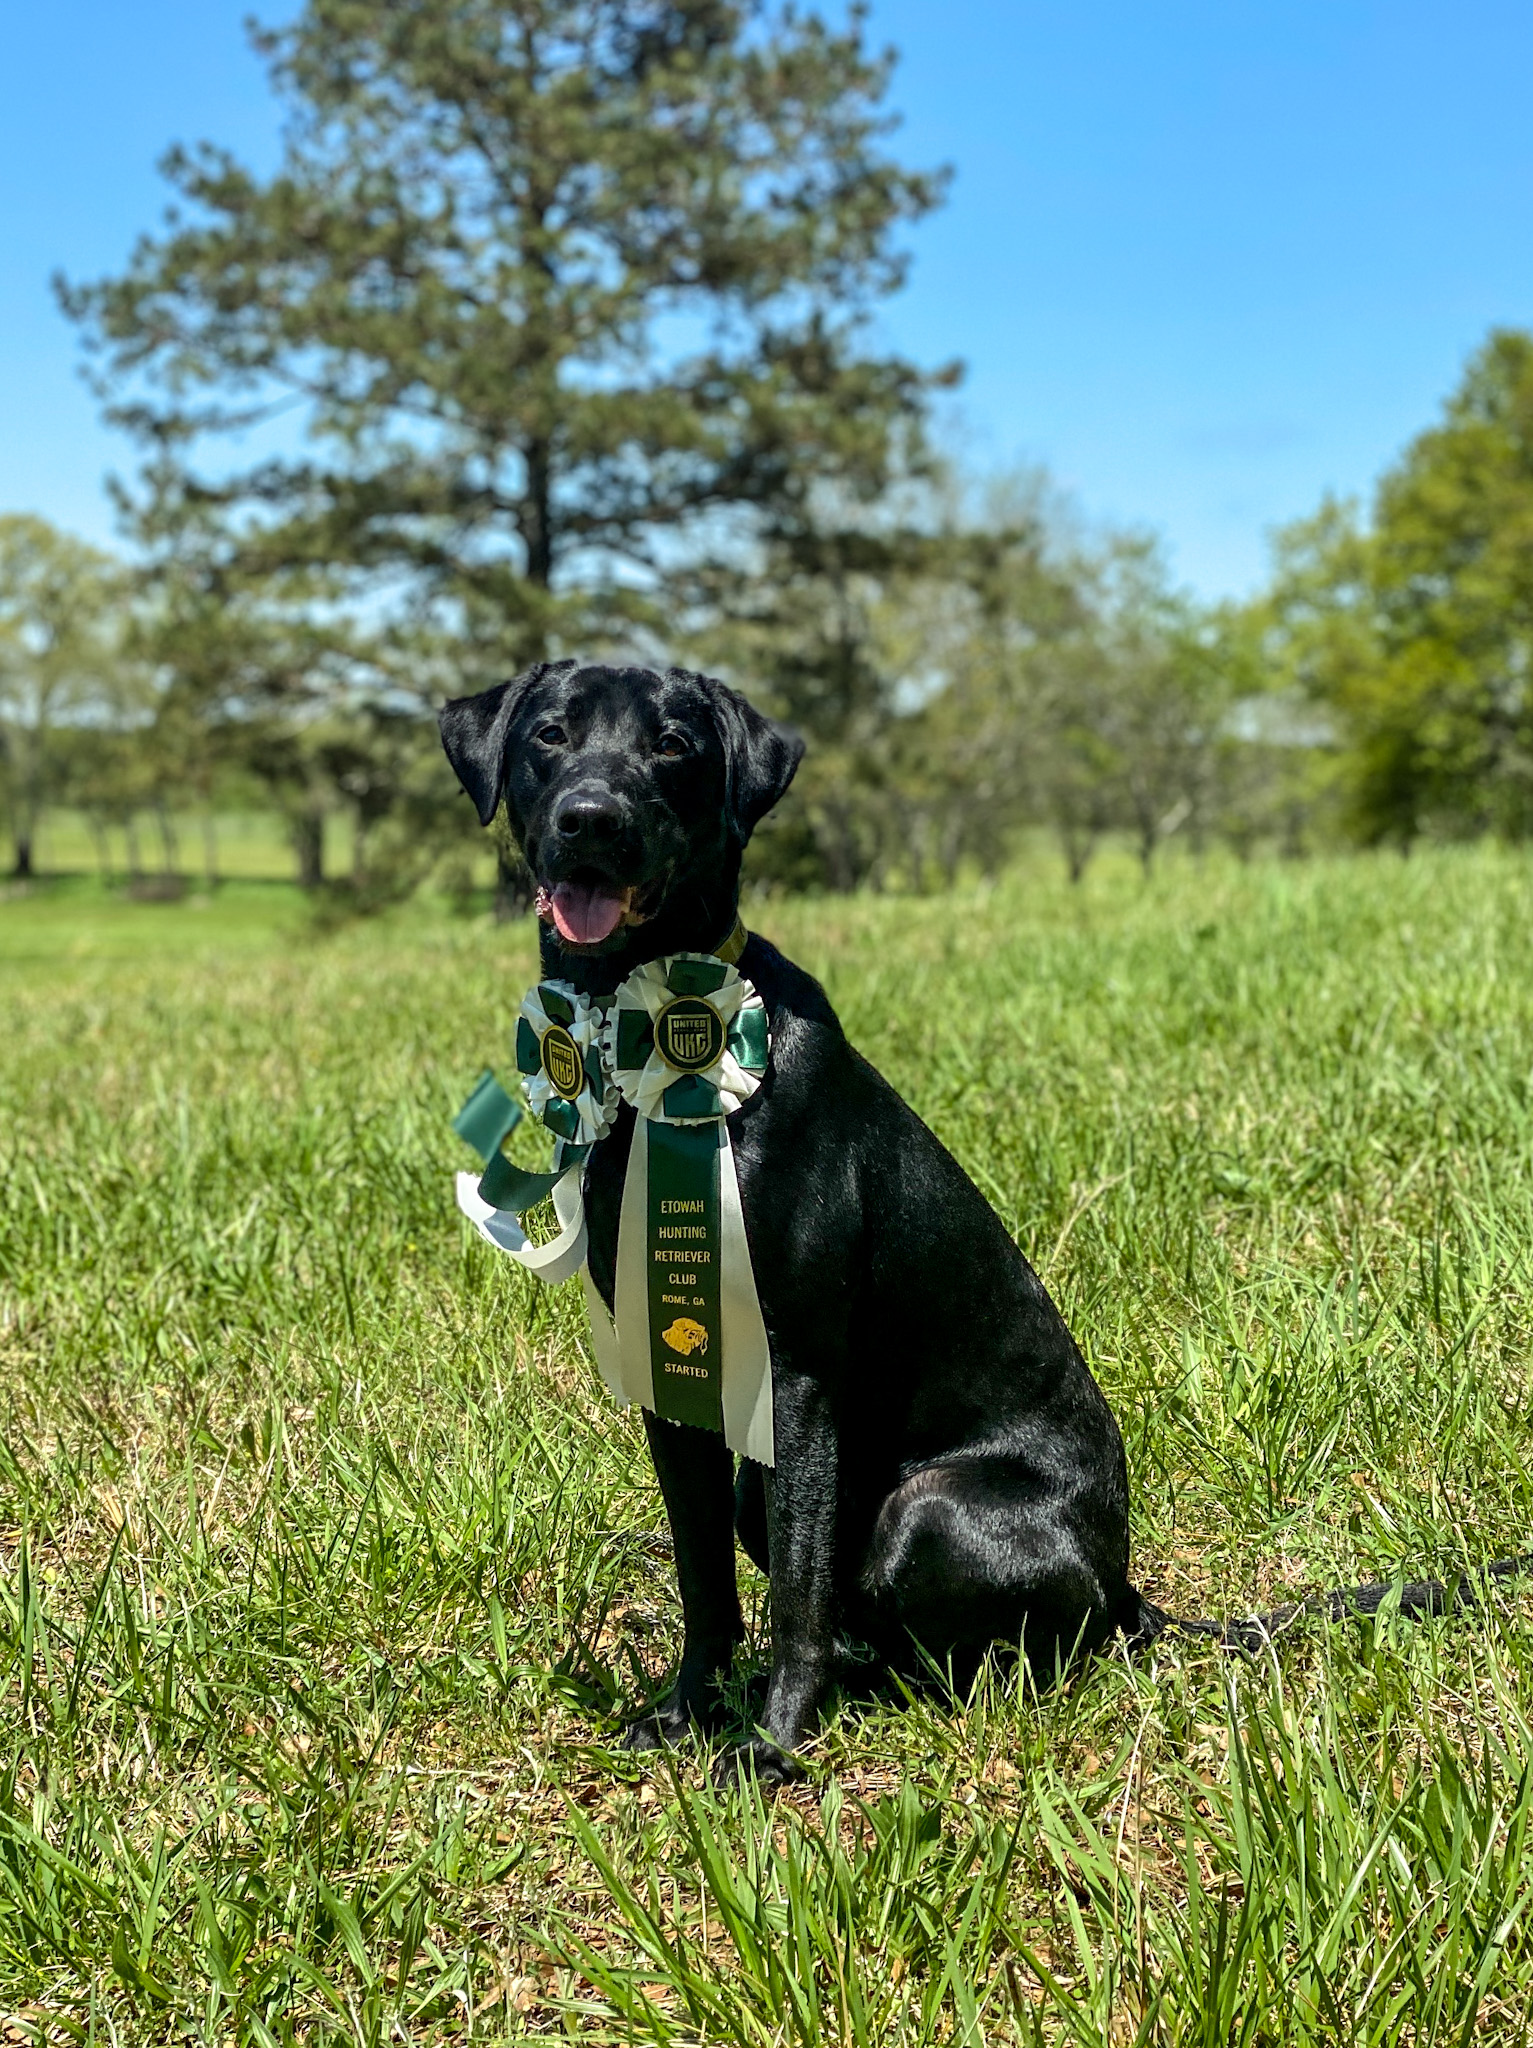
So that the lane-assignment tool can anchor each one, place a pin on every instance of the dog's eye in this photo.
(672, 745)
(550, 735)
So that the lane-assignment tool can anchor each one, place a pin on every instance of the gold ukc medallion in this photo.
(561, 1062)
(689, 1035)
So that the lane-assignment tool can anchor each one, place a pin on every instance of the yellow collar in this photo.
(734, 945)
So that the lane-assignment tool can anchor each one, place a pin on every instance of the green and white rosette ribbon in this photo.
(687, 1044)
(559, 1053)
(559, 1049)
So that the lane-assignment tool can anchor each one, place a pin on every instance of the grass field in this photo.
(325, 1564)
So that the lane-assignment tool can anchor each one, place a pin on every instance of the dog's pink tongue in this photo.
(585, 912)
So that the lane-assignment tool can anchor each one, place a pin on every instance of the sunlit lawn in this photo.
(325, 1565)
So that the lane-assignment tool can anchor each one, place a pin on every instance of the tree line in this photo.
(552, 332)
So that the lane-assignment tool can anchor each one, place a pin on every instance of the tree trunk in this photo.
(513, 886)
(537, 516)
(130, 833)
(210, 850)
(951, 857)
(308, 832)
(834, 834)
(1148, 836)
(168, 844)
(1078, 848)
(917, 841)
(25, 751)
(97, 826)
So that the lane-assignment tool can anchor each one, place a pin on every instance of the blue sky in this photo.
(1203, 261)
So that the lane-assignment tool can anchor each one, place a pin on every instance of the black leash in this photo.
(1418, 1600)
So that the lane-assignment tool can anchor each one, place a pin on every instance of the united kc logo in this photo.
(686, 1336)
(561, 1062)
(689, 1035)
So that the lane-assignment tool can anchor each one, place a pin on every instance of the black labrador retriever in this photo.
(947, 1470)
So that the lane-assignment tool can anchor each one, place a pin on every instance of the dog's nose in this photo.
(588, 814)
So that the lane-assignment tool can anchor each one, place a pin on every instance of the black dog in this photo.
(947, 1468)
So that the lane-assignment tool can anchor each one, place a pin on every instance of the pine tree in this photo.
(561, 293)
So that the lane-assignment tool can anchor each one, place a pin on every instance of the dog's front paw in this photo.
(759, 1759)
(673, 1719)
(659, 1730)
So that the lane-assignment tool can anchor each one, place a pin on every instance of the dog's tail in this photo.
(1140, 1621)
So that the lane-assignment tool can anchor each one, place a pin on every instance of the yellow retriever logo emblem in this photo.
(685, 1336)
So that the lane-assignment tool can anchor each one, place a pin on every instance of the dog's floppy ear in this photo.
(761, 756)
(474, 733)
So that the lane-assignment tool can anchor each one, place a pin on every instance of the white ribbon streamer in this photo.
(551, 1262)
(604, 1344)
(747, 1355)
(554, 1261)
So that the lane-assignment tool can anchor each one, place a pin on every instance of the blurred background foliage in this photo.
(553, 333)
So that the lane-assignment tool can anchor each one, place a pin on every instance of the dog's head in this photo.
(631, 791)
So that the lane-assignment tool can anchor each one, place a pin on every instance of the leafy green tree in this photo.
(1157, 697)
(1450, 711)
(63, 609)
(1268, 762)
(998, 635)
(263, 692)
(561, 292)
(803, 624)
(246, 682)
(1415, 631)
(889, 633)
(1083, 696)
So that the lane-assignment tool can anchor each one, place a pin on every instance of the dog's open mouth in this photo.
(584, 912)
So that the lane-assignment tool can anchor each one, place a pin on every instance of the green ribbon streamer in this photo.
(485, 1121)
(684, 1241)
(488, 1117)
